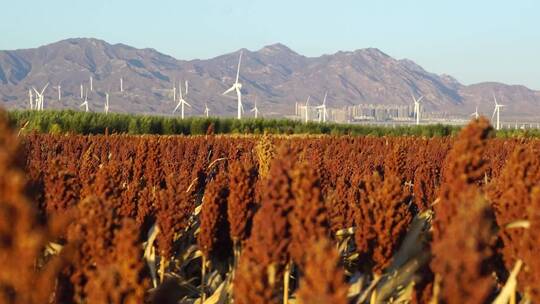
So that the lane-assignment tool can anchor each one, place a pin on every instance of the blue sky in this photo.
(475, 40)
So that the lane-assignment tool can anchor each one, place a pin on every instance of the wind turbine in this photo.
(59, 88)
(186, 84)
(206, 110)
(255, 110)
(106, 103)
(307, 110)
(237, 86)
(85, 103)
(498, 111)
(322, 109)
(31, 96)
(40, 98)
(182, 102)
(417, 108)
(37, 100)
(475, 113)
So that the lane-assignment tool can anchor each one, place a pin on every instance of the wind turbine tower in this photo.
(106, 103)
(182, 102)
(59, 88)
(40, 98)
(206, 110)
(475, 113)
(31, 96)
(497, 111)
(417, 108)
(255, 110)
(307, 109)
(322, 109)
(85, 103)
(237, 86)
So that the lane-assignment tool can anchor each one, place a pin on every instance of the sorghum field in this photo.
(269, 219)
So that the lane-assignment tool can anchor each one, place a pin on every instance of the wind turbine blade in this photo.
(307, 101)
(495, 99)
(35, 91)
(229, 90)
(325, 95)
(238, 69)
(180, 90)
(187, 87)
(44, 88)
(187, 104)
(177, 106)
(420, 99)
(494, 111)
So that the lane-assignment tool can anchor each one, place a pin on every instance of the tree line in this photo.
(69, 121)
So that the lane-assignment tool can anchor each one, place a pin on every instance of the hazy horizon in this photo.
(484, 41)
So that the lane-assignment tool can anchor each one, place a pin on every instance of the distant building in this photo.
(358, 113)
(312, 113)
(376, 112)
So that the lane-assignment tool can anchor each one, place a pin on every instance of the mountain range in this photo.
(276, 76)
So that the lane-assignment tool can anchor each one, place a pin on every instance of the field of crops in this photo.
(269, 219)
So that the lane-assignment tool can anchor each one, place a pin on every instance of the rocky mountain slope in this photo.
(275, 75)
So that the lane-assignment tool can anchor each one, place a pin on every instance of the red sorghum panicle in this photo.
(108, 184)
(309, 218)
(323, 278)
(122, 279)
(464, 167)
(22, 236)
(340, 205)
(395, 163)
(271, 229)
(91, 238)
(511, 195)
(514, 196)
(382, 218)
(176, 204)
(529, 246)
(463, 256)
(254, 282)
(87, 170)
(266, 250)
(241, 205)
(426, 179)
(61, 188)
(214, 238)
